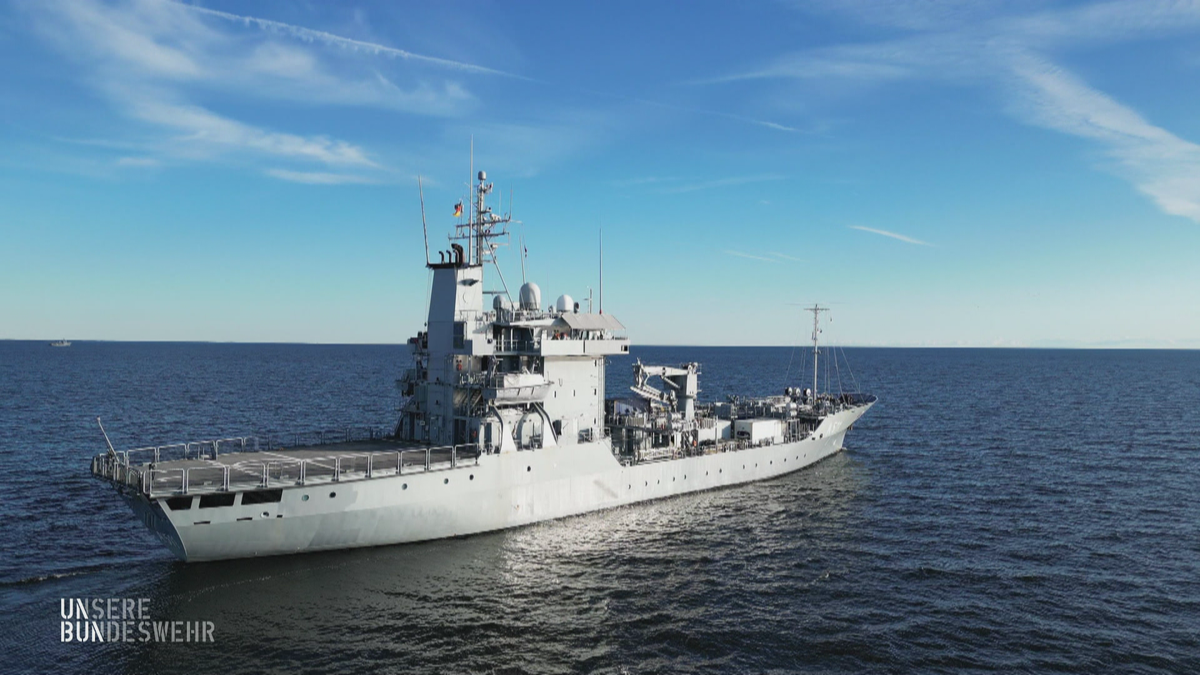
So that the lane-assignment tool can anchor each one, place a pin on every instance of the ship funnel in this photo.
(531, 296)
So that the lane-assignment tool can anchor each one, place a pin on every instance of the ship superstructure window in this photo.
(179, 503)
(262, 496)
(220, 499)
(460, 334)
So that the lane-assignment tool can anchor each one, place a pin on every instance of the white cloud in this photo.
(751, 256)
(893, 235)
(309, 35)
(722, 182)
(319, 178)
(972, 43)
(1163, 166)
(138, 162)
(206, 130)
(153, 60)
(787, 257)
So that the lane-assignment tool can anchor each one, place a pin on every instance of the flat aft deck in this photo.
(280, 467)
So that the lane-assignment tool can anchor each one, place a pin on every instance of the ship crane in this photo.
(681, 380)
(641, 386)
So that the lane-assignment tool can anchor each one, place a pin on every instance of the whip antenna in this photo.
(424, 227)
(105, 434)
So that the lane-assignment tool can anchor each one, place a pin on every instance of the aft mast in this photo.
(816, 312)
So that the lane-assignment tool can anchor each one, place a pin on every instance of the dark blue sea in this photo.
(997, 511)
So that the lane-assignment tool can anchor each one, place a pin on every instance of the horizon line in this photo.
(804, 346)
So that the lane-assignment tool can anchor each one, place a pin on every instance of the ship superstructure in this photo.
(508, 374)
(503, 423)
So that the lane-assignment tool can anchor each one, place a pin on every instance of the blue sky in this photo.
(943, 173)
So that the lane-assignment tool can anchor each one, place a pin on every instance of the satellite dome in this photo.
(500, 302)
(531, 296)
(564, 303)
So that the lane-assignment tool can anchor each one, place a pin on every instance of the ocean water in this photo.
(996, 511)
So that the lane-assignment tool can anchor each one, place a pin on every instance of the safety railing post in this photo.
(370, 463)
(303, 470)
(264, 474)
(225, 479)
(183, 488)
(337, 469)
(427, 458)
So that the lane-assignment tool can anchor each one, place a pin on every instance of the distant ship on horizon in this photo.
(61, 343)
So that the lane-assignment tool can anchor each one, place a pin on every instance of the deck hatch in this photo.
(262, 496)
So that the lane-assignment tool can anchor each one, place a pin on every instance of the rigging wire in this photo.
(787, 374)
(853, 380)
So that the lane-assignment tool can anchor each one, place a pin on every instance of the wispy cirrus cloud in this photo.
(154, 59)
(320, 178)
(893, 235)
(787, 257)
(722, 182)
(1163, 166)
(138, 162)
(751, 256)
(1005, 46)
(203, 128)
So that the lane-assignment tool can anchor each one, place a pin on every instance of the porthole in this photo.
(528, 469)
(658, 482)
(332, 495)
(647, 483)
(705, 473)
(266, 515)
(772, 462)
(720, 470)
(743, 466)
(672, 479)
(404, 487)
(472, 476)
(445, 481)
(303, 498)
(756, 465)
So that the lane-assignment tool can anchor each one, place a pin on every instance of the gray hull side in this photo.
(502, 491)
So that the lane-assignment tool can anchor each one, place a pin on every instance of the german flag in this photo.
(458, 210)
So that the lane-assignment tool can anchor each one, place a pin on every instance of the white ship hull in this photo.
(502, 491)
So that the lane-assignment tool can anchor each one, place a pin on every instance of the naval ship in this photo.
(503, 422)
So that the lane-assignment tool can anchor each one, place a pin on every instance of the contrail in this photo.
(310, 35)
